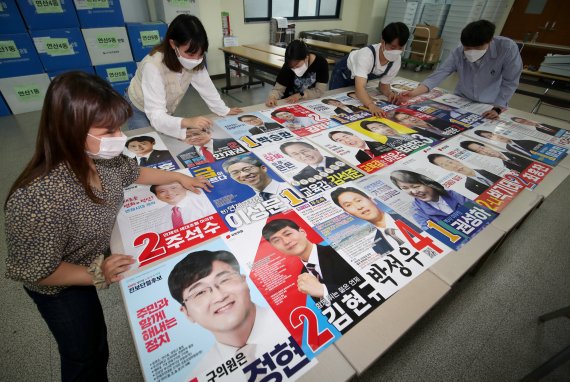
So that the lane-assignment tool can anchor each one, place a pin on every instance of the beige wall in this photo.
(366, 16)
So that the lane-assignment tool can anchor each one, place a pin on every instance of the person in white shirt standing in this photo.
(381, 60)
(164, 75)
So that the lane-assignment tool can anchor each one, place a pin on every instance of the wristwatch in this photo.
(497, 109)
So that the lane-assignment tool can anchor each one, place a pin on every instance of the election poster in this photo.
(306, 166)
(149, 151)
(159, 220)
(369, 152)
(198, 316)
(516, 142)
(542, 131)
(340, 108)
(245, 190)
(315, 292)
(463, 103)
(299, 120)
(253, 130)
(450, 114)
(469, 156)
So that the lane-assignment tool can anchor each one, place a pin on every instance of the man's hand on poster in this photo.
(308, 284)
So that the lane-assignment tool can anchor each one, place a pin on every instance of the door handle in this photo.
(545, 27)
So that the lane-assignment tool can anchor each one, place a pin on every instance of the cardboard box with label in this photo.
(145, 36)
(10, 19)
(107, 45)
(99, 13)
(61, 48)
(115, 73)
(25, 93)
(48, 14)
(18, 56)
(167, 10)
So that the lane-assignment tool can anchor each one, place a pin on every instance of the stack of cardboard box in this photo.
(426, 40)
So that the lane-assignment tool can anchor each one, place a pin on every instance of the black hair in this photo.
(413, 177)
(341, 190)
(184, 29)
(433, 157)
(295, 51)
(477, 33)
(287, 144)
(397, 30)
(277, 225)
(276, 111)
(247, 116)
(196, 266)
(465, 144)
(332, 133)
(364, 124)
(482, 133)
(142, 138)
(245, 158)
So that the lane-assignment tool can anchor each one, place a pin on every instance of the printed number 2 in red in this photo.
(151, 240)
(315, 339)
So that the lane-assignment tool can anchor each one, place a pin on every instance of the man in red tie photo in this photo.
(324, 269)
(183, 206)
(366, 149)
(203, 148)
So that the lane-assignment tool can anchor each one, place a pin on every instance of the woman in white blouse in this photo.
(164, 75)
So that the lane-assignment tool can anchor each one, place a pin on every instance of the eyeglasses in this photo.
(191, 133)
(204, 292)
(246, 169)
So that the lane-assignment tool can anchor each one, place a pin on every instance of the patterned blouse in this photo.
(53, 220)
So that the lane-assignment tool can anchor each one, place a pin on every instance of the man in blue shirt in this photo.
(488, 68)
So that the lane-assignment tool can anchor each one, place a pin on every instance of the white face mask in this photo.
(474, 55)
(109, 147)
(188, 63)
(301, 69)
(391, 55)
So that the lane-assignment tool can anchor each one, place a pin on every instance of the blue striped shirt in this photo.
(492, 79)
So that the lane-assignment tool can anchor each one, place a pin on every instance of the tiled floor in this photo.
(484, 330)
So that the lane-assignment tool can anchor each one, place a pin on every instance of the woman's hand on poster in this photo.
(235, 110)
(196, 122)
(115, 266)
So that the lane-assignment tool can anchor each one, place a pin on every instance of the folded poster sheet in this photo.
(463, 103)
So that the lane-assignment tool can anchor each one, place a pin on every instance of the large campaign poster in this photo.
(254, 129)
(450, 114)
(205, 145)
(387, 248)
(369, 152)
(340, 108)
(149, 151)
(300, 120)
(425, 124)
(469, 156)
(159, 220)
(517, 142)
(245, 190)
(306, 166)
(542, 131)
(452, 181)
(315, 292)
(197, 316)
(463, 103)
